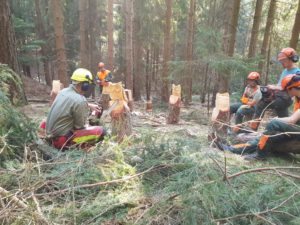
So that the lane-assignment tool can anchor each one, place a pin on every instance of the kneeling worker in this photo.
(68, 114)
(277, 130)
(250, 98)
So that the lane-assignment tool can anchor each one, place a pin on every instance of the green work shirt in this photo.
(68, 112)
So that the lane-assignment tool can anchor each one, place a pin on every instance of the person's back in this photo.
(68, 112)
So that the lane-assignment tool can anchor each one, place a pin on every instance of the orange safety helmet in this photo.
(288, 53)
(290, 81)
(101, 65)
(253, 76)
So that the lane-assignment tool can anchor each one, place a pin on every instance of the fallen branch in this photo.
(21, 204)
(274, 210)
(260, 170)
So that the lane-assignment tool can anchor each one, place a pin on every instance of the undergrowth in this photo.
(155, 178)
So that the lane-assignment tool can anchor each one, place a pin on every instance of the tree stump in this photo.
(174, 105)
(220, 116)
(56, 88)
(149, 106)
(120, 114)
(128, 94)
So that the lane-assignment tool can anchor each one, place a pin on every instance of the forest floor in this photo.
(162, 174)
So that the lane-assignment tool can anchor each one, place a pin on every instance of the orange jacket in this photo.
(102, 75)
(296, 104)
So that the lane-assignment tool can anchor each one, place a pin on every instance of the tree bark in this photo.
(110, 31)
(296, 29)
(60, 42)
(267, 34)
(8, 49)
(42, 35)
(83, 54)
(189, 54)
(232, 11)
(255, 28)
(129, 48)
(138, 52)
(166, 52)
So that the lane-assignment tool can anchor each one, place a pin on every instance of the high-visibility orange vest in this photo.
(102, 75)
(296, 104)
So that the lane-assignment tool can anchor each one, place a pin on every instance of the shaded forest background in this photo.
(151, 44)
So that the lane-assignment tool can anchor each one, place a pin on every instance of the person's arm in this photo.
(109, 77)
(274, 87)
(94, 107)
(293, 119)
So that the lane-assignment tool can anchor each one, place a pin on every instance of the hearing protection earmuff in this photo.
(86, 85)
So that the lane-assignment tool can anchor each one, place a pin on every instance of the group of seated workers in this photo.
(277, 97)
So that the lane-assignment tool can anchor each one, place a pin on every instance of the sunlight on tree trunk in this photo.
(296, 29)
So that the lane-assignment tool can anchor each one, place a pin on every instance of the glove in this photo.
(244, 100)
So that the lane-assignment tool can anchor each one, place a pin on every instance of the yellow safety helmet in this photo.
(82, 75)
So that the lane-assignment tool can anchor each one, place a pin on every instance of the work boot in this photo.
(223, 147)
(255, 156)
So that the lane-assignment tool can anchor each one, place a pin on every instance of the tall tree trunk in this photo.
(93, 32)
(148, 80)
(60, 42)
(110, 38)
(233, 26)
(83, 54)
(166, 52)
(255, 28)
(296, 29)
(138, 53)
(42, 35)
(232, 11)
(129, 49)
(189, 54)
(267, 34)
(8, 49)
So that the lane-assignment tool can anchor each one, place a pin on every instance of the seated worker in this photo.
(66, 120)
(278, 99)
(277, 130)
(103, 76)
(250, 98)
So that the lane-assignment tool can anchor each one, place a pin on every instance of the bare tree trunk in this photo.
(296, 29)
(232, 11)
(267, 34)
(255, 28)
(60, 42)
(167, 51)
(42, 35)
(189, 54)
(110, 32)
(83, 54)
(8, 49)
(205, 89)
(138, 53)
(129, 48)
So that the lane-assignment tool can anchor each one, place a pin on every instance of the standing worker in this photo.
(103, 76)
(278, 99)
(66, 121)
